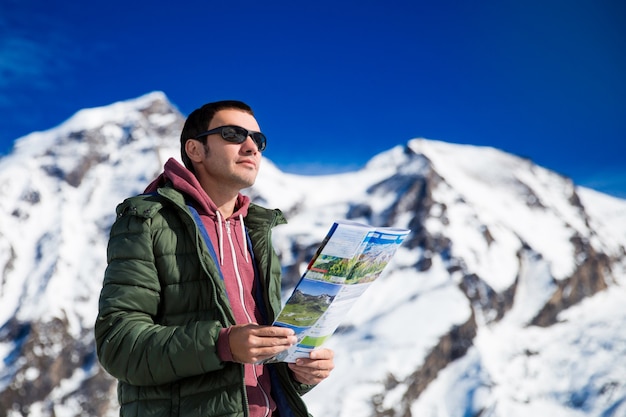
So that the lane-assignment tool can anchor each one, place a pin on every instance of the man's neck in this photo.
(224, 201)
(227, 209)
(223, 194)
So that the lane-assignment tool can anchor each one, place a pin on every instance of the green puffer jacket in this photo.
(162, 306)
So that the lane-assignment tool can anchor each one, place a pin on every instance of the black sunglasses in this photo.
(237, 134)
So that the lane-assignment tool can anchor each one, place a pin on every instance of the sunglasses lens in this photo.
(260, 140)
(236, 134)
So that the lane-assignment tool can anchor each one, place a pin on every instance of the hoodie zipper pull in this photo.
(227, 226)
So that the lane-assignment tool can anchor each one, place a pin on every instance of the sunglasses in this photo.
(237, 134)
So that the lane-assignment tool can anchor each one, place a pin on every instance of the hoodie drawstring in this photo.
(220, 237)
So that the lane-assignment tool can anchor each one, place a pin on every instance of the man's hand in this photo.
(251, 343)
(315, 368)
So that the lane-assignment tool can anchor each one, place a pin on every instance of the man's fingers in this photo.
(322, 354)
(251, 343)
(272, 336)
(273, 331)
(310, 375)
(315, 368)
(317, 358)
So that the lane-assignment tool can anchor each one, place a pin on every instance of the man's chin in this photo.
(246, 182)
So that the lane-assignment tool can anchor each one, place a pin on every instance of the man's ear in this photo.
(195, 150)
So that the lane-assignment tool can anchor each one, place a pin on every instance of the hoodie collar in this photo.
(186, 182)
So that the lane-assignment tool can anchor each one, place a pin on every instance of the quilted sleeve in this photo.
(131, 345)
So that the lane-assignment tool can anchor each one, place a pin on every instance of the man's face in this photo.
(226, 164)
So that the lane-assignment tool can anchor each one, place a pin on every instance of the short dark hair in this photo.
(200, 119)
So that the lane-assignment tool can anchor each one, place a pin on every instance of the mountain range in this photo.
(506, 299)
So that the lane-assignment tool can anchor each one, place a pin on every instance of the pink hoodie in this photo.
(231, 246)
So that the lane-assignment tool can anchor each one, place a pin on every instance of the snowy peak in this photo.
(154, 109)
(496, 191)
(94, 136)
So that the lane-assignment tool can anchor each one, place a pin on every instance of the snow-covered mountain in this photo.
(506, 300)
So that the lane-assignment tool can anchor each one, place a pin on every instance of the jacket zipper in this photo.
(268, 273)
(199, 239)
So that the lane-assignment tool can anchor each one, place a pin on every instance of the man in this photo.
(193, 282)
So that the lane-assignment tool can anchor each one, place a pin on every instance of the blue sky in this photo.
(335, 83)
